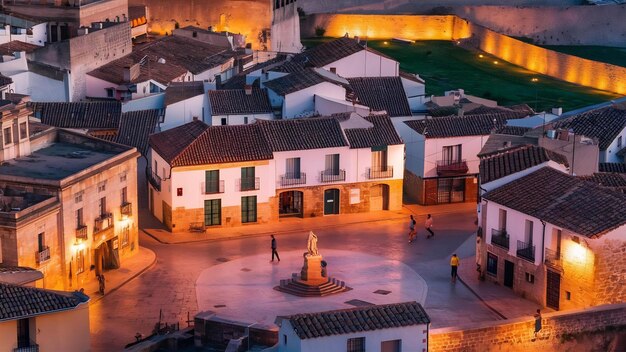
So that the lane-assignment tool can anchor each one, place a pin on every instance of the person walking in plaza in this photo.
(274, 252)
(412, 232)
(428, 225)
(454, 266)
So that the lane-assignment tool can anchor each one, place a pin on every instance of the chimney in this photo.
(248, 89)
(131, 72)
(557, 111)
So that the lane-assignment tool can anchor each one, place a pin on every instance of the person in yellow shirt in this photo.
(454, 265)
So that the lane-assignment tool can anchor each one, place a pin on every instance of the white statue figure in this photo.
(312, 244)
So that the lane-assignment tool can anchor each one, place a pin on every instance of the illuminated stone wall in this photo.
(610, 266)
(548, 62)
(581, 330)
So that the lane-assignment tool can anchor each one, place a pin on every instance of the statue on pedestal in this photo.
(312, 244)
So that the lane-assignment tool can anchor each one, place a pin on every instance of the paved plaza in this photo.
(169, 288)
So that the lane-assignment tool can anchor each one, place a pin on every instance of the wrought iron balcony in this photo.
(333, 175)
(249, 184)
(43, 255)
(380, 172)
(292, 179)
(103, 222)
(154, 179)
(213, 187)
(500, 238)
(526, 251)
(126, 209)
(81, 232)
(553, 258)
(32, 348)
(451, 167)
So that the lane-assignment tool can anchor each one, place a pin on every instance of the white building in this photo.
(184, 102)
(39, 81)
(228, 175)
(399, 327)
(239, 106)
(23, 29)
(553, 238)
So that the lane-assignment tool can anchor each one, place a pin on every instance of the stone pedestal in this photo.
(311, 272)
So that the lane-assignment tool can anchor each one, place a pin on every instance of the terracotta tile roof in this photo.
(329, 52)
(513, 130)
(294, 82)
(20, 302)
(565, 201)
(381, 134)
(179, 91)
(612, 167)
(609, 180)
(196, 143)
(136, 127)
(236, 101)
(101, 114)
(302, 134)
(605, 124)
(238, 81)
(411, 77)
(358, 320)
(382, 94)
(454, 126)
(16, 45)
(504, 163)
(180, 54)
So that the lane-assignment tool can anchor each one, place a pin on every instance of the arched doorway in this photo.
(379, 197)
(331, 201)
(290, 204)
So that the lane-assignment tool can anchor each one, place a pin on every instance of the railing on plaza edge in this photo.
(526, 251)
(380, 172)
(500, 238)
(332, 175)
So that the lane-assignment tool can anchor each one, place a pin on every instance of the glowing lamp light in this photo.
(534, 79)
(78, 246)
(385, 43)
(495, 62)
(481, 56)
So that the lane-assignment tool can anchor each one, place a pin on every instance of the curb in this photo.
(481, 299)
(97, 299)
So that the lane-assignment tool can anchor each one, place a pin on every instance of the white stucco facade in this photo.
(411, 339)
(36, 34)
(302, 102)
(185, 111)
(238, 119)
(327, 106)
(364, 64)
(619, 143)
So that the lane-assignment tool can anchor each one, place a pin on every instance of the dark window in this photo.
(293, 168)
(356, 344)
(179, 192)
(284, 339)
(248, 209)
(80, 261)
(248, 179)
(124, 195)
(7, 135)
(102, 206)
(23, 333)
(23, 130)
(194, 34)
(80, 222)
(41, 241)
(332, 164)
(109, 92)
(619, 141)
(452, 153)
(212, 181)
(54, 36)
(212, 212)
(223, 122)
(333, 69)
(245, 120)
(154, 88)
(492, 264)
(65, 32)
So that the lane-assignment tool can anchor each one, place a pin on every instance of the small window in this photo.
(223, 121)
(7, 135)
(568, 295)
(102, 206)
(24, 131)
(124, 195)
(102, 186)
(80, 261)
(492, 264)
(80, 221)
(530, 278)
(78, 197)
(179, 192)
(619, 142)
(194, 34)
(284, 339)
(123, 177)
(41, 241)
(109, 92)
(333, 69)
(356, 344)
(245, 120)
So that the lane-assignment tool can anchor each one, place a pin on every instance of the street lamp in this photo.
(535, 80)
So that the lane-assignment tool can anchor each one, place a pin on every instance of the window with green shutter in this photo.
(212, 212)
(247, 178)
(212, 181)
(248, 209)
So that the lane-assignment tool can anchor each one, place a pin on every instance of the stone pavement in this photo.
(289, 225)
(130, 269)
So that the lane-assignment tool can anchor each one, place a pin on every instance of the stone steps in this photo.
(297, 287)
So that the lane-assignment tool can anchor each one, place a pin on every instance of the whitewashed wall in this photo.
(313, 162)
(302, 101)
(216, 120)
(184, 111)
(96, 87)
(414, 146)
(327, 106)
(166, 191)
(365, 64)
(608, 156)
(470, 147)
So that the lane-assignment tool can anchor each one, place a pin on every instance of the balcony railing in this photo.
(213, 187)
(43, 255)
(154, 180)
(32, 348)
(451, 167)
(380, 172)
(103, 222)
(81, 232)
(126, 209)
(526, 251)
(249, 184)
(500, 238)
(292, 179)
(333, 175)
(553, 258)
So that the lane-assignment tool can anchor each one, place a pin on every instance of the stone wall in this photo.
(548, 62)
(610, 270)
(183, 218)
(585, 329)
